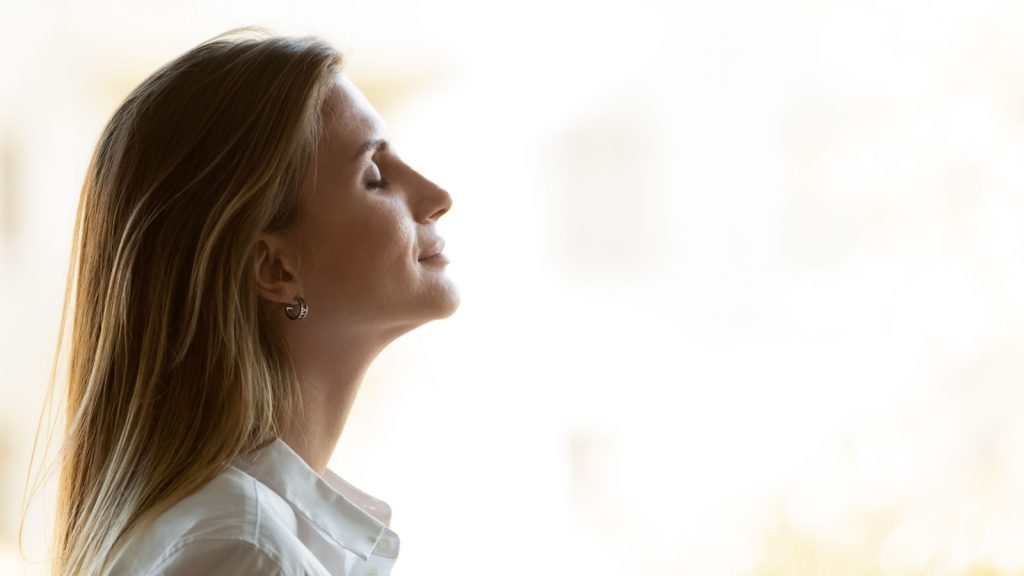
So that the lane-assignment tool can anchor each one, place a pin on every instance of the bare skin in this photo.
(354, 257)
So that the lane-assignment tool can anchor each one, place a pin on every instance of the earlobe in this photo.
(272, 271)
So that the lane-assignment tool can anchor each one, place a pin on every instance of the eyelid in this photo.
(376, 177)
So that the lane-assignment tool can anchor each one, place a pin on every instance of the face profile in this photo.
(249, 240)
(360, 252)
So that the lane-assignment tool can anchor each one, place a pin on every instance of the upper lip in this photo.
(434, 250)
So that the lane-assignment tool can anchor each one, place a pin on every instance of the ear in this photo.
(275, 269)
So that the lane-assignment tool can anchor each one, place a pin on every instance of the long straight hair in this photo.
(174, 366)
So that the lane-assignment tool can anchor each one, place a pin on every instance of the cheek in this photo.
(388, 242)
(371, 241)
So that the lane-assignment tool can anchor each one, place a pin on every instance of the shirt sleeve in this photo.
(225, 557)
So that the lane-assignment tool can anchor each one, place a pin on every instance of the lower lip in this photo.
(436, 259)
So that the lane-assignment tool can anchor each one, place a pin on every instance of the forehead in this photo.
(348, 116)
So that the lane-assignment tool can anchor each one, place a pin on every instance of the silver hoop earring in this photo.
(303, 310)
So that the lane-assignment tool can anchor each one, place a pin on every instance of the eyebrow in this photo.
(376, 144)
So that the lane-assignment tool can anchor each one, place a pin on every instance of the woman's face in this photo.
(366, 219)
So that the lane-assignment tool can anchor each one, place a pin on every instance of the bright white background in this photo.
(742, 281)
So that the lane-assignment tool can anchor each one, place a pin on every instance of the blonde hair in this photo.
(174, 366)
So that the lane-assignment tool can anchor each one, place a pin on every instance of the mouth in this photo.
(439, 258)
(434, 251)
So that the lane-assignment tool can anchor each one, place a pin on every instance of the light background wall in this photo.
(742, 281)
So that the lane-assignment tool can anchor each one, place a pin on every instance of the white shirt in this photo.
(269, 514)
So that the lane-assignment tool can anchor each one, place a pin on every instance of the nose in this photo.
(433, 200)
(443, 206)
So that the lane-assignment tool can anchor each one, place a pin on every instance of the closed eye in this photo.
(377, 180)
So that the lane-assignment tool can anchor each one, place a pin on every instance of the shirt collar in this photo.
(321, 500)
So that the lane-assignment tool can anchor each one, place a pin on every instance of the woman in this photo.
(247, 243)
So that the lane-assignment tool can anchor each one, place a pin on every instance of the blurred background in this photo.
(742, 281)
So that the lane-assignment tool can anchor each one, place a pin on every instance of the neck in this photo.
(329, 381)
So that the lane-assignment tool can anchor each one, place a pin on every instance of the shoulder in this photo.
(232, 525)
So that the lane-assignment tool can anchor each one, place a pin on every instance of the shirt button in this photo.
(370, 572)
(384, 544)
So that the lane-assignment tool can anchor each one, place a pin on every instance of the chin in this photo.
(452, 303)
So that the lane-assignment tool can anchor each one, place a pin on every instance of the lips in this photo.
(434, 250)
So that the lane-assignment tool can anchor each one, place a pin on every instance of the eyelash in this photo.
(378, 184)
